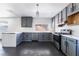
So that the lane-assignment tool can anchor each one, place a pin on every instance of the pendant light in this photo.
(37, 12)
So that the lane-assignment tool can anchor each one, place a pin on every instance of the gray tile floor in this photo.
(31, 49)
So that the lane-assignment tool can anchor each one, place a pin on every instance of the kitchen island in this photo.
(14, 39)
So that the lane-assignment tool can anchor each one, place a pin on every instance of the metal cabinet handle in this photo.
(65, 43)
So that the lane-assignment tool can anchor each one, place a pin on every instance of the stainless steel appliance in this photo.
(57, 41)
(57, 37)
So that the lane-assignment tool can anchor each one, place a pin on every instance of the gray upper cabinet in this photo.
(56, 19)
(64, 14)
(53, 24)
(77, 6)
(26, 21)
(60, 17)
(72, 7)
(69, 9)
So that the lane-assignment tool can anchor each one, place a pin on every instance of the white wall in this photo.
(74, 28)
(14, 24)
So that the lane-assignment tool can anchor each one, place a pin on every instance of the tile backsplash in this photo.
(74, 28)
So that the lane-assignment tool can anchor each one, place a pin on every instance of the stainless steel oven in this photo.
(57, 41)
(57, 37)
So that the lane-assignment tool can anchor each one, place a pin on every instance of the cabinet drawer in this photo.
(71, 48)
(72, 40)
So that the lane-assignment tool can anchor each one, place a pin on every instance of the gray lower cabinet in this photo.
(44, 36)
(63, 44)
(50, 37)
(35, 36)
(27, 36)
(40, 36)
(69, 46)
(78, 48)
(52, 40)
(19, 37)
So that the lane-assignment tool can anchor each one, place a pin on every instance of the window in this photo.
(3, 26)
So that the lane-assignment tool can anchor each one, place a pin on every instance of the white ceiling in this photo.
(29, 9)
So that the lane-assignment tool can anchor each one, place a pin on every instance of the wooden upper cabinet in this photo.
(73, 19)
(76, 18)
(70, 20)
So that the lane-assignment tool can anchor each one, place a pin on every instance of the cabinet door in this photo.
(69, 9)
(64, 14)
(9, 40)
(63, 44)
(60, 17)
(27, 37)
(71, 47)
(78, 48)
(76, 19)
(74, 6)
(35, 36)
(45, 35)
(40, 36)
(56, 19)
(77, 6)
(19, 37)
(53, 24)
(49, 36)
(52, 38)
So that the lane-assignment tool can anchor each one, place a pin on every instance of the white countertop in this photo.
(27, 32)
(31, 32)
